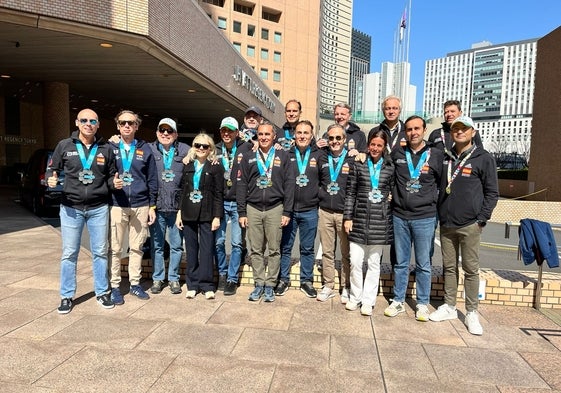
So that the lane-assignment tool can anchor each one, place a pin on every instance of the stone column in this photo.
(56, 113)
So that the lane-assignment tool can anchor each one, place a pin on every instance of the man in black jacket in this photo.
(469, 193)
(265, 196)
(89, 165)
(392, 126)
(355, 140)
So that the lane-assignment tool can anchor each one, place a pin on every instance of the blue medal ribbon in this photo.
(375, 172)
(302, 164)
(168, 156)
(125, 158)
(414, 173)
(227, 162)
(86, 164)
(265, 167)
(197, 175)
(334, 172)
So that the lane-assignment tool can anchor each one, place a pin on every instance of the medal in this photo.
(302, 180)
(413, 186)
(229, 183)
(227, 162)
(286, 142)
(333, 188)
(286, 145)
(86, 176)
(448, 189)
(195, 196)
(168, 175)
(265, 168)
(375, 195)
(263, 182)
(227, 175)
(452, 177)
(126, 177)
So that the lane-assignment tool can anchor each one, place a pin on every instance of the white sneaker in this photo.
(422, 313)
(444, 313)
(472, 323)
(191, 294)
(394, 308)
(345, 296)
(209, 295)
(350, 306)
(325, 294)
(365, 310)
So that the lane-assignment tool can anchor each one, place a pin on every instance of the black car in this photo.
(34, 191)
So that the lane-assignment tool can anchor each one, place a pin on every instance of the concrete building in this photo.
(361, 45)
(270, 36)
(160, 58)
(495, 84)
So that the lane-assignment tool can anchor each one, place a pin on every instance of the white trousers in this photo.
(364, 290)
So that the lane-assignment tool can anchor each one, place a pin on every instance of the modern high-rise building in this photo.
(280, 40)
(361, 44)
(335, 53)
(495, 84)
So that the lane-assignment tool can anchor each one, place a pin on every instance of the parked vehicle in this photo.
(34, 191)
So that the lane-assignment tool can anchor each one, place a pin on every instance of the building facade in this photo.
(361, 45)
(270, 36)
(495, 84)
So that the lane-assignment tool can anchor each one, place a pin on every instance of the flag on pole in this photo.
(402, 24)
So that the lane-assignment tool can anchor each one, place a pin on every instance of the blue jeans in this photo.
(72, 223)
(230, 213)
(165, 223)
(307, 222)
(419, 234)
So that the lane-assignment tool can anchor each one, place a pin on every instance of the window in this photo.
(278, 37)
(264, 74)
(276, 76)
(265, 54)
(271, 14)
(265, 34)
(251, 51)
(250, 30)
(222, 23)
(277, 57)
(237, 27)
(219, 3)
(237, 46)
(243, 8)
(276, 93)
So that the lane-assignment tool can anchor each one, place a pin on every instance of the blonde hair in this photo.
(204, 139)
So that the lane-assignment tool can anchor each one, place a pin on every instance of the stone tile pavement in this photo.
(232, 345)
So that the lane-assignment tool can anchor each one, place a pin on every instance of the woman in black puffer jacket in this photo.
(368, 220)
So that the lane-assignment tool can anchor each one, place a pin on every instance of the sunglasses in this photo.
(164, 130)
(93, 122)
(203, 146)
(129, 122)
(335, 138)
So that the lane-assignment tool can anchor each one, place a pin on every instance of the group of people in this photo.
(362, 193)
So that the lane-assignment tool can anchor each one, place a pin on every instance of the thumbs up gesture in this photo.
(52, 180)
(117, 182)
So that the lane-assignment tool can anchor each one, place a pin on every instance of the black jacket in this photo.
(474, 191)
(75, 193)
(355, 138)
(282, 139)
(306, 198)
(280, 193)
(435, 138)
(372, 222)
(333, 203)
(241, 148)
(394, 141)
(421, 204)
(169, 193)
(210, 186)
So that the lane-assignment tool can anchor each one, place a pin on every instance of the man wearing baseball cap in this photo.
(468, 195)
(229, 153)
(252, 118)
(168, 153)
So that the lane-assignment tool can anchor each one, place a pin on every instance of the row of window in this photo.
(245, 7)
(250, 52)
(237, 28)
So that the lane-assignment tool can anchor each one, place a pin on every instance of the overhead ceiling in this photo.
(107, 79)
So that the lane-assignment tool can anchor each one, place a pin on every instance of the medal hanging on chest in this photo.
(86, 175)
(413, 185)
(265, 168)
(333, 187)
(126, 160)
(196, 196)
(167, 173)
(375, 195)
(302, 179)
(227, 162)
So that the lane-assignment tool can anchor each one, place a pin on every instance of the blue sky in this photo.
(438, 27)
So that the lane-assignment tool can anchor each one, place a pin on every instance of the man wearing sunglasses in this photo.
(89, 164)
(168, 153)
(134, 205)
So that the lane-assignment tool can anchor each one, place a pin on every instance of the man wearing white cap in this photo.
(468, 195)
(168, 153)
(229, 153)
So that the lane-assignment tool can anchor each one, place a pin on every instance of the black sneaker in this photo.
(175, 287)
(308, 289)
(230, 288)
(157, 286)
(105, 301)
(281, 288)
(65, 306)
(221, 282)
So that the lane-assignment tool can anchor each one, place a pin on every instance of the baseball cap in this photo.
(229, 122)
(254, 109)
(169, 122)
(466, 121)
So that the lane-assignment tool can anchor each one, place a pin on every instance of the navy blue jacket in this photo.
(537, 243)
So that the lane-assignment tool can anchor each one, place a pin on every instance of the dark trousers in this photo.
(199, 246)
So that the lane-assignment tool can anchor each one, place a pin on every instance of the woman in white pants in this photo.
(368, 221)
